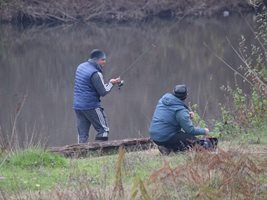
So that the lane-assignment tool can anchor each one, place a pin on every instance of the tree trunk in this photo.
(102, 148)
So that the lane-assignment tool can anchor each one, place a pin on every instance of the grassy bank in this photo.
(234, 172)
(67, 11)
(33, 170)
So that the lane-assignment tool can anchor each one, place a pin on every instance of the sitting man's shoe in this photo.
(163, 150)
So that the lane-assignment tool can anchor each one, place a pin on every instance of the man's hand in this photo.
(206, 132)
(115, 81)
(191, 114)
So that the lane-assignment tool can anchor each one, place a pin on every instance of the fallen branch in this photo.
(102, 148)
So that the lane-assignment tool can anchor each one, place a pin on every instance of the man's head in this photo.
(180, 91)
(99, 56)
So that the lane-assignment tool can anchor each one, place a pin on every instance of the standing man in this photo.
(171, 127)
(89, 86)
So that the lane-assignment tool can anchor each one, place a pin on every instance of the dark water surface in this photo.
(41, 63)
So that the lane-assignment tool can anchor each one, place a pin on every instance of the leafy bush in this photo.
(248, 112)
(197, 120)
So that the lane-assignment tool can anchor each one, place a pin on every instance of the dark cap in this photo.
(97, 54)
(180, 91)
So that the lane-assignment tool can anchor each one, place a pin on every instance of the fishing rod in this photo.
(132, 65)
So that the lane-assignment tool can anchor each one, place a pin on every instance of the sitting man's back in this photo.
(171, 126)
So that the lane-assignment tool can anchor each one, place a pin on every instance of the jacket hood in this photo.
(170, 100)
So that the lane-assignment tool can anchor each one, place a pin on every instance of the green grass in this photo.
(34, 169)
(31, 169)
(17, 179)
(35, 158)
(252, 136)
(258, 135)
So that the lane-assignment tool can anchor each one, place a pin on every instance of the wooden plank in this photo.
(102, 148)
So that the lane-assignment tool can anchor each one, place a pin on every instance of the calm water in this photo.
(41, 63)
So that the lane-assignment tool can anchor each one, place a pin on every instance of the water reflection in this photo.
(41, 62)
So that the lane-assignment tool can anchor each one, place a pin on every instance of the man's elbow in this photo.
(104, 93)
(195, 131)
(190, 130)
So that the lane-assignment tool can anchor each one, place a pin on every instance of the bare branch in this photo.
(228, 65)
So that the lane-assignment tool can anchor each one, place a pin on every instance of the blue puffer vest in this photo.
(85, 95)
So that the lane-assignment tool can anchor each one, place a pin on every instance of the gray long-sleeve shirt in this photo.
(101, 87)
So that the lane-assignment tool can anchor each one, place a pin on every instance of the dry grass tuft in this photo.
(118, 188)
(209, 176)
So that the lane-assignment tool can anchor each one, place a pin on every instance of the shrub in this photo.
(248, 112)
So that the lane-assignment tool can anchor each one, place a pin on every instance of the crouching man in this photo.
(172, 128)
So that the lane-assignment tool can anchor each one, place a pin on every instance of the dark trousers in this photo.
(182, 141)
(95, 117)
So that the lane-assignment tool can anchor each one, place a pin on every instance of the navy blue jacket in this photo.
(171, 115)
(85, 94)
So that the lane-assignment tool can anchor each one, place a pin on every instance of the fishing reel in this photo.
(120, 84)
